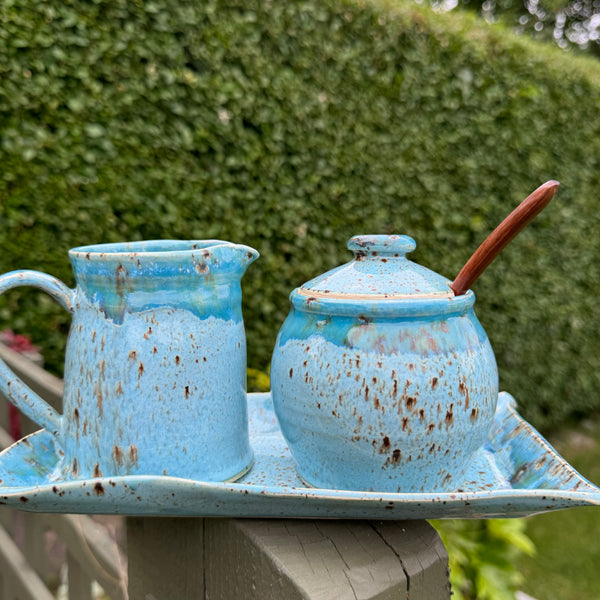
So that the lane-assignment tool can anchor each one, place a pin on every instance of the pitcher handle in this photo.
(23, 397)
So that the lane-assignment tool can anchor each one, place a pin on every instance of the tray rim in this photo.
(13, 495)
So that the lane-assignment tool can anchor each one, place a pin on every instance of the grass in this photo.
(567, 561)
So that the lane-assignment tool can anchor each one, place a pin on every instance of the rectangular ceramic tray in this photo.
(516, 473)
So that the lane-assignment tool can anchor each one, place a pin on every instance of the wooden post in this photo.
(165, 558)
(257, 559)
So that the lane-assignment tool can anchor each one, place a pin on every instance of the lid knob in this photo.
(395, 246)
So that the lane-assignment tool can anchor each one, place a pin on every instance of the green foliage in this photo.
(484, 557)
(291, 126)
(257, 381)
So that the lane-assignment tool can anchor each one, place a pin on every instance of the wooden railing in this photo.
(220, 559)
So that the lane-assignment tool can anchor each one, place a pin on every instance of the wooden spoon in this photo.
(502, 235)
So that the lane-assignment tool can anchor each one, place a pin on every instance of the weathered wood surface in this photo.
(251, 559)
(18, 580)
(165, 558)
(93, 552)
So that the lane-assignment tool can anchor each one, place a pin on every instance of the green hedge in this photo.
(291, 126)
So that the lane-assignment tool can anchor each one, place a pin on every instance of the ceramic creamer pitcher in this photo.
(155, 368)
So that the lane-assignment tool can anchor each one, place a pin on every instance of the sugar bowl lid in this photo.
(380, 279)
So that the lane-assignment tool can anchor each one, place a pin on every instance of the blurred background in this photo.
(290, 127)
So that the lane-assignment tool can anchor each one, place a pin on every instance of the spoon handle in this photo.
(502, 235)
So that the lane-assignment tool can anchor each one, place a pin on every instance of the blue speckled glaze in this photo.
(381, 378)
(155, 369)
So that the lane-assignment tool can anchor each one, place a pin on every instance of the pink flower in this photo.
(17, 342)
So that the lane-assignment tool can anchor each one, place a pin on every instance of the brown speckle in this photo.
(411, 402)
(464, 390)
(201, 268)
(187, 391)
(450, 415)
(396, 456)
(97, 470)
(94, 335)
(291, 373)
(404, 423)
(422, 414)
(140, 369)
(99, 399)
(117, 454)
(177, 359)
(75, 467)
(431, 448)
(23, 499)
(376, 403)
(385, 445)
(432, 344)
(133, 454)
(148, 333)
(76, 415)
(119, 389)
(431, 428)
(434, 382)
(474, 414)
(98, 489)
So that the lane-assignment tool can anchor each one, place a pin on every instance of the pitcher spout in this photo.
(226, 259)
(249, 255)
